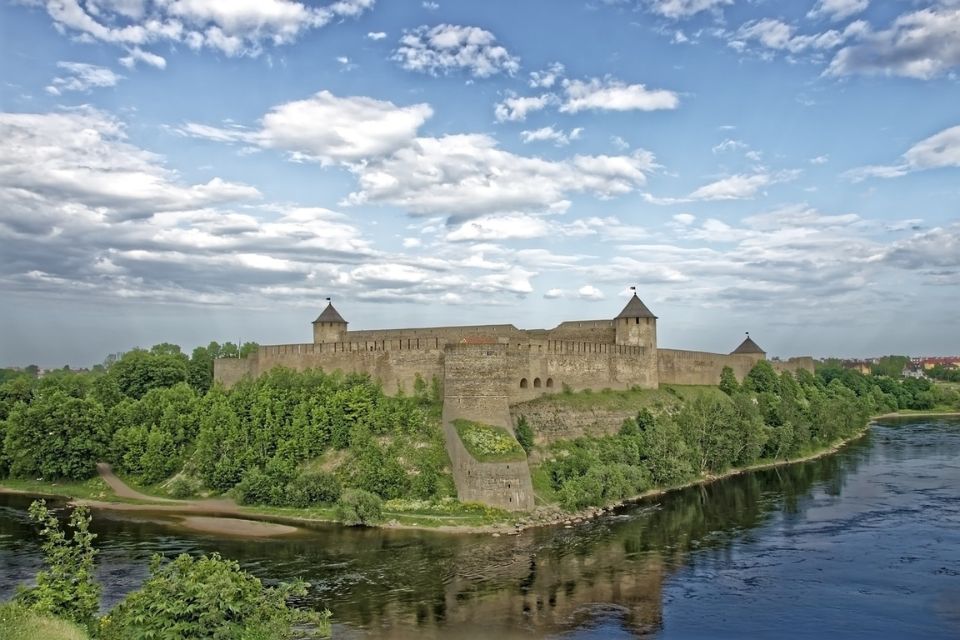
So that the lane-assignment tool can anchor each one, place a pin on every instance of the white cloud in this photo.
(550, 134)
(411, 243)
(837, 10)
(328, 128)
(676, 9)
(467, 175)
(548, 77)
(80, 158)
(619, 143)
(446, 47)
(233, 28)
(589, 292)
(430, 6)
(515, 108)
(922, 44)
(685, 219)
(376, 35)
(730, 145)
(612, 95)
(82, 77)
(136, 54)
(939, 151)
(824, 159)
(780, 36)
(740, 186)
(500, 227)
(553, 294)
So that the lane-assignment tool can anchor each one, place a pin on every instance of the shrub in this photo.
(65, 587)
(208, 597)
(359, 507)
(524, 434)
(182, 487)
(257, 487)
(313, 488)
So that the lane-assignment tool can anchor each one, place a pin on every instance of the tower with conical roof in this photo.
(636, 325)
(329, 326)
(749, 348)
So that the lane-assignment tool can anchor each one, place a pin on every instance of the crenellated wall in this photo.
(487, 368)
(699, 367)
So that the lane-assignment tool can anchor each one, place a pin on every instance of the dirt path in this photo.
(211, 522)
(221, 505)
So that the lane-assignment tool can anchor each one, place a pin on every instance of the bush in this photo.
(65, 587)
(359, 507)
(257, 487)
(313, 488)
(524, 434)
(208, 597)
(182, 487)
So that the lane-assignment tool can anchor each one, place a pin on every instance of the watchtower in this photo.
(329, 326)
(636, 325)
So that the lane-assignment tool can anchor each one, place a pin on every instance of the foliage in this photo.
(770, 415)
(65, 587)
(524, 434)
(55, 436)
(19, 623)
(182, 487)
(487, 443)
(208, 597)
(891, 366)
(728, 381)
(313, 488)
(359, 507)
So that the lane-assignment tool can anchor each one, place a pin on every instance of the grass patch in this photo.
(487, 443)
(543, 491)
(16, 623)
(92, 489)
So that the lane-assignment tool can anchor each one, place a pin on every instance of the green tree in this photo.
(728, 382)
(55, 436)
(209, 598)
(524, 434)
(66, 586)
(139, 371)
(762, 379)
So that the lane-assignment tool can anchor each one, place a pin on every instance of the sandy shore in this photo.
(237, 527)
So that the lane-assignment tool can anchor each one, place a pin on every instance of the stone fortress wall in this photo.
(487, 368)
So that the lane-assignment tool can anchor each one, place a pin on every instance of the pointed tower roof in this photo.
(635, 309)
(330, 315)
(748, 346)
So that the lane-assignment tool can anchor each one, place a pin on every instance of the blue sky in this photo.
(189, 170)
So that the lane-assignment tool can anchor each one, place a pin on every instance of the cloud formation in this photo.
(232, 28)
(939, 151)
(81, 76)
(446, 47)
(922, 44)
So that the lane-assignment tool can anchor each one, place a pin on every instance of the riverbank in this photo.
(226, 517)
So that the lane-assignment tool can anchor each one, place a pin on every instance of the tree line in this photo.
(155, 414)
(766, 417)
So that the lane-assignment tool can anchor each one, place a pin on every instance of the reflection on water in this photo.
(860, 544)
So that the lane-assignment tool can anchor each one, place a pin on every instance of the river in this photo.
(861, 544)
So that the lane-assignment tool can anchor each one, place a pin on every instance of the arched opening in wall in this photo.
(523, 383)
(549, 383)
(536, 383)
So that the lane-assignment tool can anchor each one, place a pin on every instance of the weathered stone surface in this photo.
(487, 368)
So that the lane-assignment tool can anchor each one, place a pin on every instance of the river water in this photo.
(861, 544)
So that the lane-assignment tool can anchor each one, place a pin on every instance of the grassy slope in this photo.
(630, 399)
(18, 624)
(466, 428)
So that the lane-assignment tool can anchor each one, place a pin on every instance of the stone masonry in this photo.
(487, 368)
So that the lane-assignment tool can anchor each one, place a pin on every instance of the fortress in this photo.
(487, 368)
